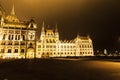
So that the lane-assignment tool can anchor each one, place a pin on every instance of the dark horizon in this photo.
(100, 19)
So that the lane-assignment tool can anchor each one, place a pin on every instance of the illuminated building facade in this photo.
(49, 45)
(17, 38)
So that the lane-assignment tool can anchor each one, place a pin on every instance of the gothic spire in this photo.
(56, 28)
(43, 27)
(88, 36)
(78, 35)
(13, 10)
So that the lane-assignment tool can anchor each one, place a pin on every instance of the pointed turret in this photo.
(13, 10)
(42, 31)
(56, 32)
(43, 27)
(88, 36)
(56, 28)
(78, 35)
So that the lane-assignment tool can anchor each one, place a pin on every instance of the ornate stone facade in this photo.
(18, 40)
(49, 45)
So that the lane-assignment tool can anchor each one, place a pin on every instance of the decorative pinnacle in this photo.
(43, 25)
(13, 10)
(56, 28)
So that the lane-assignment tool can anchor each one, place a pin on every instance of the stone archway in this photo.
(30, 53)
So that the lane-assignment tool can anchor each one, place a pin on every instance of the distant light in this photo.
(119, 39)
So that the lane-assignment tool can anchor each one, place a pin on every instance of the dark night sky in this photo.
(98, 18)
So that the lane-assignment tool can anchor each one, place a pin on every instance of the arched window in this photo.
(23, 37)
(4, 35)
(16, 50)
(22, 50)
(9, 50)
(30, 45)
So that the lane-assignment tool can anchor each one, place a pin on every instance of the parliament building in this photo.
(18, 39)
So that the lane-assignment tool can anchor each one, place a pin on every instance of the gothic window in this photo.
(16, 43)
(83, 52)
(53, 41)
(43, 46)
(30, 45)
(50, 41)
(2, 51)
(90, 46)
(82, 46)
(16, 50)
(15, 37)
(9, 50)
(9, 37)
(67, 46)
(22, 43)
(18, 37)
(10, 43)
(64, 46)
(23, 37)
(22, 50)
(3, 43)
(39, 46)
(4, 36)
(12, 37)
(47, 41)
(47, 46)
(50, 46)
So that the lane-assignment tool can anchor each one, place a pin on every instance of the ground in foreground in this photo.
(59, 69)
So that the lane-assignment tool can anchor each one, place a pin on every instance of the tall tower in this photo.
(42, 31)
(56, 32)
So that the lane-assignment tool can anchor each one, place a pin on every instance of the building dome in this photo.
(12, 18)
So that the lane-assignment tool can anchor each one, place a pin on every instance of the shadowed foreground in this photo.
(59, 69)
